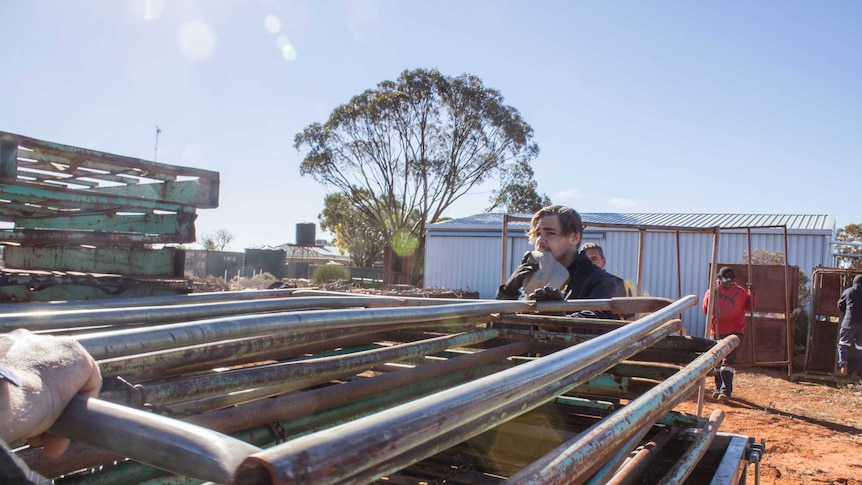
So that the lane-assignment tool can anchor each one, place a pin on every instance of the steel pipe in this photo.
(606, 468)
(232, 352)
(58, 306)
(368, 442)
(301, 404)
(619, 305)
(105, 345)
(572, 460)
(273, 379)
(504, 413)
(287, 409)
(151, 315)
(627, 474)
(155, 440)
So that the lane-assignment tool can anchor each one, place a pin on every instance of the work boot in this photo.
(842, 370)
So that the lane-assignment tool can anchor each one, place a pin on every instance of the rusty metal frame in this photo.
(381, 400)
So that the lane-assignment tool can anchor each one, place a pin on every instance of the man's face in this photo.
(726, 284)
(550, 238)
(596, 257)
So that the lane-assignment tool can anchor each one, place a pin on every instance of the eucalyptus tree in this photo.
(415, 145)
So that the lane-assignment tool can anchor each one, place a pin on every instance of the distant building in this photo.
(467, 253)
(320, 253)
(203, 263)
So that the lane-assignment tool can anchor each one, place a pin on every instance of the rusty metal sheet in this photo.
(768, 282)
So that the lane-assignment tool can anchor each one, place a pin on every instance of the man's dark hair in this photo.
(570, 220)
(592, 245)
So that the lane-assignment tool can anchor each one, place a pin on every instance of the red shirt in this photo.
(733, 303)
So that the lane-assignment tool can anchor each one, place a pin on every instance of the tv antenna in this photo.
(156, 154)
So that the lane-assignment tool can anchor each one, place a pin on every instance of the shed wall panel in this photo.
(473, 262)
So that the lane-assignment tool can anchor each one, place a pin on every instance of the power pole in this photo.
(156, 154)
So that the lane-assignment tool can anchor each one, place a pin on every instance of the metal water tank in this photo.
(305, 234)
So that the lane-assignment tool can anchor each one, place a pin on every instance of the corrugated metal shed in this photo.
(466, 253)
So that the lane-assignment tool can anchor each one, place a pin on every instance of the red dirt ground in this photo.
(813, 430)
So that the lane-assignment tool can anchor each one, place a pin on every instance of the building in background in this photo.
(467, 253)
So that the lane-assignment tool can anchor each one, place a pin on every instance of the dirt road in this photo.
(813, 431)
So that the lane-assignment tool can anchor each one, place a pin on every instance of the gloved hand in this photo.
(516, 280)
(546, 294)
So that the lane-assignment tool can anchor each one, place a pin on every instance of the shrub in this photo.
(259, 281)
(329, 273)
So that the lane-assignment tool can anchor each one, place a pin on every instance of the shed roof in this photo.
(809, 223)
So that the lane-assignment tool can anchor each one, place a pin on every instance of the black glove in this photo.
(546, 294)
(516, 280)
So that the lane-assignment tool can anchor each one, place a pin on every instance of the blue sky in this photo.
(663, 106)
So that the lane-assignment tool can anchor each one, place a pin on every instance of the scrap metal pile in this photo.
(298, 386)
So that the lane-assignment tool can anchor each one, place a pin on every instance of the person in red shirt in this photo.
(733, 303)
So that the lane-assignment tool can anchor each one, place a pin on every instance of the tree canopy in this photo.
(415, 145)
(217, 241)
(518, 190)
(354, 232)
(851, 233)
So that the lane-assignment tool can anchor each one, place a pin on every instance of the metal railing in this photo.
(315, 387)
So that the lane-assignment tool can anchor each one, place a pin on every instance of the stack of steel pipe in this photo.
(317, 387)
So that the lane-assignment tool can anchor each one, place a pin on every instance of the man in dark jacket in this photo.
(558, 230)
(850, 333)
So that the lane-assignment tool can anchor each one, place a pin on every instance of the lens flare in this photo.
(286, 48)
(197, 41)
(272, 24)
(404, 243)
(153, 9)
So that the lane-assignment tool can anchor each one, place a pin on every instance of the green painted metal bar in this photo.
(683, 467)
(56, 236)
(160, 263)
(202, 194)
(612, 463)
(93, 159)
(75, 199)
(175, 224)
(8, 159)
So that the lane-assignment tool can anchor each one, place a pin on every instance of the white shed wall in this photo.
(471, 260)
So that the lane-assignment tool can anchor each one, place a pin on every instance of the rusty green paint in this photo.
(159, 263)
(180, 226)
